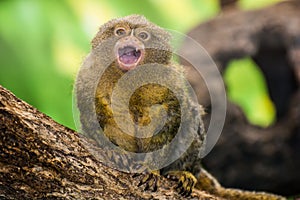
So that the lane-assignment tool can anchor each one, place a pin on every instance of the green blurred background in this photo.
(43, 42)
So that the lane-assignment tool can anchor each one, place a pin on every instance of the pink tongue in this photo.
(128, 58)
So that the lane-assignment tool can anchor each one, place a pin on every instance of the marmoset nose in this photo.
(131, 38)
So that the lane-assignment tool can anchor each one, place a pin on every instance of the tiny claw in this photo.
(179, 185)
(135, 175)
(150, 181)
(146, 187)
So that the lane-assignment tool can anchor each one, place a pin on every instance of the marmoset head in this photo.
(135, 41)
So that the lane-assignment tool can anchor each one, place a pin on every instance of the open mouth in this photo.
(129, 57)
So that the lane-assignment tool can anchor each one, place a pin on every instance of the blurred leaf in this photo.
(246, 87)
(250, 4)
(42, 44)
(30, 31)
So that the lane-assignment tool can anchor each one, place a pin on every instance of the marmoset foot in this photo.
(150, 180)
(186, 181)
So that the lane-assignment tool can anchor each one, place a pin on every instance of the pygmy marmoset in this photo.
(122, 46)
(160, 106)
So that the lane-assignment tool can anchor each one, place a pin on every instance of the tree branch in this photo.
(41, 159)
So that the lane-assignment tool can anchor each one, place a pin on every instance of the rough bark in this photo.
(247, 156)
(41, 159)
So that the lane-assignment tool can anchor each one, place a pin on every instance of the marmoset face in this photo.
(130, 48)
(135, 41)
